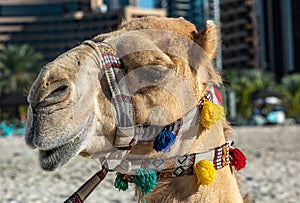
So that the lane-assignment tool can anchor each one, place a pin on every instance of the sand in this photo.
(272, 173)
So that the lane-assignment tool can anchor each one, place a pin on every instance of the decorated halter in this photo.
(129, 133)
(145, 172)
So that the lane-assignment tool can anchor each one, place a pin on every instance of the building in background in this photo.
(281, 35)
(239, 34)
(191, 10)
(261, 34)
(55, 26)
(296, 33)
(195, 11)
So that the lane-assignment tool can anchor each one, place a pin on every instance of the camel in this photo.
(167, 65)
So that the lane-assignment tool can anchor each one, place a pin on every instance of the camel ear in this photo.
(208, 39)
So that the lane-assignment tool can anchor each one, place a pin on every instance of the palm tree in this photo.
(245, 83)
(290, 87)
(18, 68)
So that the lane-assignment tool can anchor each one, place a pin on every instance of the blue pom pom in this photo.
(164, 140)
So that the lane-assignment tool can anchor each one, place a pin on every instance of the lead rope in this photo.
(87, 188)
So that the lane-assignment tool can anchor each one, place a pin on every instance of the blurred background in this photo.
(258, 57)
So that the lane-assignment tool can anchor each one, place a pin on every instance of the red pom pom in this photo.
(238, 159)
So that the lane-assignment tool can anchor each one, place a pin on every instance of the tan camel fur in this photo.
(71, 113)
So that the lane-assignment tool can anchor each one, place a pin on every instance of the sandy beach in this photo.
(272, 172)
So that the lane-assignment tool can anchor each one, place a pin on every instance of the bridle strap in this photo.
(130, 133)
(174, 166)
(122, 100)
(168, 168)
(87, 188)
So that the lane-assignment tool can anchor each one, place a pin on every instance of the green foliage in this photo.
(245, 83)
(290, 88)
(18, 68)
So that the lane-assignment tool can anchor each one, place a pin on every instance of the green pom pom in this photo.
(145, 179)
(121, 183)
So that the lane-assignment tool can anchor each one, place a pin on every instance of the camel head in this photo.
(167, 65)
(61, 113)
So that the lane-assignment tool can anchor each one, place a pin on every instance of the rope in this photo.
(87, 188)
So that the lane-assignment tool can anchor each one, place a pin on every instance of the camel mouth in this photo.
(54, 158)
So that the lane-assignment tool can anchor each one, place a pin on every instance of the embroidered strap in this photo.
(181, 165)
(165, 168)
(121, 98)
(85, 190)
(147, 132)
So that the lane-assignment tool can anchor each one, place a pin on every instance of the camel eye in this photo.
(155, 74)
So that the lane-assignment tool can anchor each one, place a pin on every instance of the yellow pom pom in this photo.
(211, 113)
(205, 172)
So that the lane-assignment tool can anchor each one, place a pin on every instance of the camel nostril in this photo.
(57, 94)
(58, 90)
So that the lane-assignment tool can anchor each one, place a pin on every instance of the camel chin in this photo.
(53, 158)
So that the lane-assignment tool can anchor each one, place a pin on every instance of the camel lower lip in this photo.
(56, 157)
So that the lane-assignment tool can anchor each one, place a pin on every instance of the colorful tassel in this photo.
(164, 140)
(205, 172)
(238, 159)
(121, 183)
(145, 179)
(211, 113)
